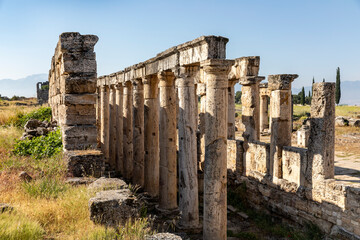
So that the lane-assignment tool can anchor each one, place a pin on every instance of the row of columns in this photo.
(139, 121)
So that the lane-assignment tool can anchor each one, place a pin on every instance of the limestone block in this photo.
(163, 236)
(78, 83)
(79, 137)
(84, 163)
(79, 99)
(103, 184)
(74, 41)
(77, 114)
(235, 156)
(303, 136)
(353, 199)
(282, 109)
(294, 165)
(257, 157)
(114, 207)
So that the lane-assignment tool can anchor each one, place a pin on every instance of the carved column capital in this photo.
(151, 86)
(281, 81)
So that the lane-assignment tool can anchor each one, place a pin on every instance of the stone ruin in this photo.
(42, 92)
(143, 122)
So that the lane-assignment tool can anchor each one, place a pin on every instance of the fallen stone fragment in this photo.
(114, 207)
(354, 122)
(4, 207)
(103, 184)
(341, 122)
(24, 176)
(79, 181)
(163, 236)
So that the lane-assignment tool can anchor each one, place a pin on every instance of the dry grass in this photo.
(7, 113)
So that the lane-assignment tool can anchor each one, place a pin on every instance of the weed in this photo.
(46, 187)
(20, 119)
(14, 227)
(39, 147)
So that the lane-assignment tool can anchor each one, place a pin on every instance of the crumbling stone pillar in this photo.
(105, 137)
(151, 129)
(215, 176)
(119, 129)
(264, 105)
(201, 91)
(280, 104)
(128, 129)
(231, 109)
(188, 184)
(112, 127)
(168, 185)
(322, 135)
(138, 172)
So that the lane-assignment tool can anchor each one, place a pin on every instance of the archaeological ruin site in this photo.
(168, 125)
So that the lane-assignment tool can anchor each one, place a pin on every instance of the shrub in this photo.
(41, 114)
(39, 147)
(47, 187)
(13, 227)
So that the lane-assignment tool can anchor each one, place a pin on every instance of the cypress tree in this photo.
(323, 79)
(302, 96)
(337, 86)
(312, 88)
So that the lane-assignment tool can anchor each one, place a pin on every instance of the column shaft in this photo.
(202, 93)
(128, 130)
(264, 118)
(215, 176)
(138, 173)
(168, 186)
(119, 130)
(151, 130)
(188, 184)
(105, 122)
(231, 110)
(112, 128)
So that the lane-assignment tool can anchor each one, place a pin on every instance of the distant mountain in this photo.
(21, 87)
(349, 92)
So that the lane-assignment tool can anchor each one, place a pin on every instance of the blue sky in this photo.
(309, 38)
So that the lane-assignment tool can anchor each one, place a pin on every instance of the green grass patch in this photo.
(14, 227)
(39, 147)
(46, 187)
(20, 119)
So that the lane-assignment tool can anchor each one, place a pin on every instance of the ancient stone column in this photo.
(168, 184)
(231, 109)
(201, 90)
(104, 128)
(188, 184)
(98, 116)
(112, 127)
(215, 173)
(322, 135)
(128, 130)
(138, 101)
(280, 105)
(250, 107)
(119, 129)
(264, 104)
(151, 130)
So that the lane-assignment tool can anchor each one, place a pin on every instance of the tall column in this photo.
(264, 118)
(231, 109)
(280, 105)
(104, 128)
(138, 173)
(128, 130)
(119, 129)
(322, 136)
(112, 127)
(201, 90)
(250, 108)
(188, 184)
(98, 116)
(215, 206)
(151, 129)
(168, 186)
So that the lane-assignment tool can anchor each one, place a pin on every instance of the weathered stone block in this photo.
(78, 83)
(84, 163)
(103, 184)
(75, 42)
(79, 137)
(235, 156)
(258, 157)
(79, 99)
(303, 136)
(163, 236)
(114, 207)
(294, 165)
(77, 114)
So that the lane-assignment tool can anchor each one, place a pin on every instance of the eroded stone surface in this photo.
(103, 184)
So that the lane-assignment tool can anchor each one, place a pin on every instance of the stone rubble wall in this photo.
(42, 92)
(307, 191)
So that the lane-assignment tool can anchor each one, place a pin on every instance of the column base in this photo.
(189, 229)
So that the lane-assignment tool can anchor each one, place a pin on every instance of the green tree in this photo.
(323, 79)
(312, 87)
(337, 87)
(302, 96)
(238, 97)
